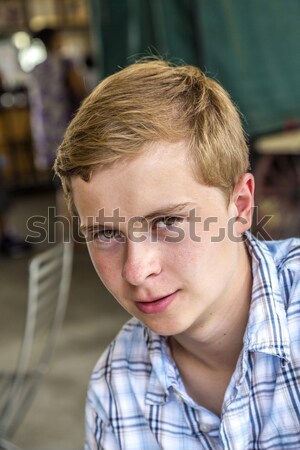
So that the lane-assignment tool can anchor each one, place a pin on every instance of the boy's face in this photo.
(177, 263)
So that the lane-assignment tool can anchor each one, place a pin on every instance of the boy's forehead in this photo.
(141, 187)
(153, 170)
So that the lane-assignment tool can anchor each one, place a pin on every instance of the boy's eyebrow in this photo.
(168, 210)
(86, 229)
(163, 211)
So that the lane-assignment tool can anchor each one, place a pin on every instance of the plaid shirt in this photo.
(137, 401)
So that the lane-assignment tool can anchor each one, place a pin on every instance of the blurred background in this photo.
(251, 47)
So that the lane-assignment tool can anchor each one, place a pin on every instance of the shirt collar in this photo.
(267, 329)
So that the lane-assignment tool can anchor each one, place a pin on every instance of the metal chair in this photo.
(49, 284)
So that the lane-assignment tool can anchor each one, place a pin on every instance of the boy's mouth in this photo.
(155, 305)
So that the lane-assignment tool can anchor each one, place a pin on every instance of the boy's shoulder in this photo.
(128, 349)
(279, 263)
(285, 253)
(122, 375)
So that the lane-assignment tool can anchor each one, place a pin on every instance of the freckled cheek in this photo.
(194, 258)
(184, 255)
(199, 267)
(104, 267)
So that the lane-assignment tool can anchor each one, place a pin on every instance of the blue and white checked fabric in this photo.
(137, 401)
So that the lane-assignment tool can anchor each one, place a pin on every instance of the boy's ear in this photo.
(243, 200)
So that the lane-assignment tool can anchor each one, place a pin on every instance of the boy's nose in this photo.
(141, 262)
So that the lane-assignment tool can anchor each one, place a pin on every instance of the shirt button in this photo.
(178, 396)
(205, 428)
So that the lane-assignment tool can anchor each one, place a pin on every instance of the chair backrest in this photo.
(49, 284)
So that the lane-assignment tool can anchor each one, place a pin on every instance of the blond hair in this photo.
(152, 101)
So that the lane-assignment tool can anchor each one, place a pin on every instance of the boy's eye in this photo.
(107, 235)
(166, 222)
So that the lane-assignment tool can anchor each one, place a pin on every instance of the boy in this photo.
(155, 164)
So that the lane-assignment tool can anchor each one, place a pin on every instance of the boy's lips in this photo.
(155, 305)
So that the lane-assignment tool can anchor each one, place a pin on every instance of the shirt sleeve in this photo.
(99, 433)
